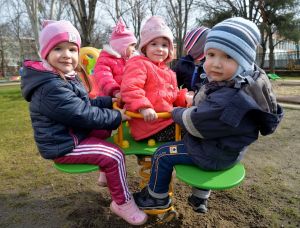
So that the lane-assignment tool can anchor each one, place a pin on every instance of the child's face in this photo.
(64, 57)
(130, 50)
(219, 66)
(157, 50)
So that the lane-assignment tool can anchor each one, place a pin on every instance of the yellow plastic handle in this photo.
(164, 115)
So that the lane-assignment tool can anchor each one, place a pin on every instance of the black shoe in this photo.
(145, 201)
(198, 204)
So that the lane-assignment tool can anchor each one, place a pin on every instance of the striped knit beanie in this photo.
(238, 38)
(194, 42)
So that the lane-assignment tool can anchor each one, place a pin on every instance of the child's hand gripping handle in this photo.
(164, 115)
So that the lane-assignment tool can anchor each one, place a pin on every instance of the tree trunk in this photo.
(32, 10)
(262, 58)
(2, 70)
(86, 20)
(271, 55)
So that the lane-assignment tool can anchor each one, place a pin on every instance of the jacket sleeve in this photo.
(62, 105)
(132, 86)
(104, 76)
(179, 74)
(102, 102)
(205, 121)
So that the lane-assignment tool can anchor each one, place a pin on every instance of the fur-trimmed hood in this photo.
(111, 51)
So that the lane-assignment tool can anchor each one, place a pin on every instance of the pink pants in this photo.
(110, 158)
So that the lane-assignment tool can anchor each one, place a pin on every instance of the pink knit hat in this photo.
(194, 42)
(156, 27)
(55, 32)
(121, 38)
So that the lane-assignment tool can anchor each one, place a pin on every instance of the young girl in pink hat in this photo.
(149, 86)
(111, 62)
(64, 118)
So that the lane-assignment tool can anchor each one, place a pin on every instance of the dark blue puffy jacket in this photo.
(185, 69)
(222, 125)
(61, 112)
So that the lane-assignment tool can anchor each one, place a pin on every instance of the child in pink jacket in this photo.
(111, 62)
(149, 86)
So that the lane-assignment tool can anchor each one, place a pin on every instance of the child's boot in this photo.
(129, 212)
(146, 201)
(198, 199)
(102, 182)
(198, 204)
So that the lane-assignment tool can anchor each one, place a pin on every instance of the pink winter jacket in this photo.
(108, 71)
(149, 85)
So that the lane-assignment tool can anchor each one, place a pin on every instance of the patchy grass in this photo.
(34, 194)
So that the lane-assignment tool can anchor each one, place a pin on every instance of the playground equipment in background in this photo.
(273, 76)
(144, 149)
(88, 57)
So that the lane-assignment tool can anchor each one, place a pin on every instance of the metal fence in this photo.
(282, 60)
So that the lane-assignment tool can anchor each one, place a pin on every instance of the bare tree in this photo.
(53, 9)
(2, 50)
(17, 13)
(154, 6)
(38, 10)
(131, 11)
(178, 12)
(114, 8)
(85, 14)
(137, 14)
(32, 7)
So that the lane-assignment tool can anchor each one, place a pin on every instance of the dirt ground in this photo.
(268, 197)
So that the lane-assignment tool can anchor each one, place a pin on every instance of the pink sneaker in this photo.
(129, 212)
(102, 182)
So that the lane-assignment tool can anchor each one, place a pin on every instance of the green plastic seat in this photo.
(76, 168)
(137, 147)
(215, 180)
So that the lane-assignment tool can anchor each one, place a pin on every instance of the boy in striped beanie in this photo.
(228, 114)
(238, 38)
(189, 68)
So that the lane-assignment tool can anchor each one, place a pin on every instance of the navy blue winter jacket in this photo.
(184, 69)
(224, 121)
(61, 112)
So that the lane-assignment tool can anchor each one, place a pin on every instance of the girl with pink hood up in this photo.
(111, 62)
